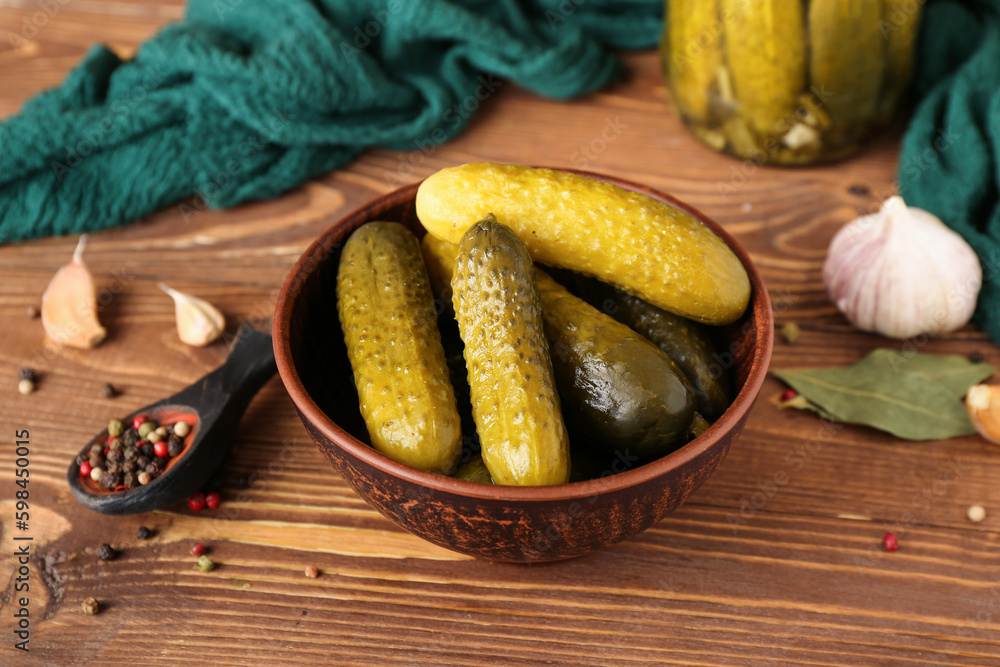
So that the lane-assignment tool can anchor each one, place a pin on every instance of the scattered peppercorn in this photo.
(212, 499)
(33, 312)
(106, 552)
(977, 357)
(108, 390)
(25, 386)
(859, 190)
(312, 572)
(205, 564)
(198, 549)
(790, 333)
(890, 542)
(143, 533)
(242, 482)
(27, 374)
(91, 606)
(976, 513)
(197, 501)
(788, 395)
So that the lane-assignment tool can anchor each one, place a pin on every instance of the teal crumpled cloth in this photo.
(950, 163)
(245, 100)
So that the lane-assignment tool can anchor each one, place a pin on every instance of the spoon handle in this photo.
(231, 387)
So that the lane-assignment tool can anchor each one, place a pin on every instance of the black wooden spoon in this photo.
(212, 407)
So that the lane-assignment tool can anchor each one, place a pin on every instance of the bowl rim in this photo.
(760, 302)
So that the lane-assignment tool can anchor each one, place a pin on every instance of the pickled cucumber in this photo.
(387, 314)
(692, 56)
(619, 391)
(846, 62)
(474, 470)
(514, 399)
(644, 246)
(766, 56)
(688, 343)
(899, 25)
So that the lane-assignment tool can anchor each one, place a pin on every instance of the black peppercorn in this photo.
(130, 438)
(129, 466)
(143, 533)
(147, 450)
(129, 480)
(152, 468)
(141, 462)
(175, 446)
(108, 390)
(110, 480)
(28, 374)
(116, 455)
(242, 482)
(130, 453)
(112, 466)
(96, 449)
(977, 357)
(116, 444)
(106, 552)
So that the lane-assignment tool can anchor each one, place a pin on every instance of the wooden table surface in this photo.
(775, 560)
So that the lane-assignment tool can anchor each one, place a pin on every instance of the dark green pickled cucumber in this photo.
(687, 343)
(513, 391)
(387, 314)
(698, 426)
(475, 470)
(619, 391)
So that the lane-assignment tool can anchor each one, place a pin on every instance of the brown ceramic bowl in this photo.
(499, 523)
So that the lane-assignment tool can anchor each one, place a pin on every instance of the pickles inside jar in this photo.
(788, 81)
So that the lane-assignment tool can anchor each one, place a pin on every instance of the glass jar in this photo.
(788, 81)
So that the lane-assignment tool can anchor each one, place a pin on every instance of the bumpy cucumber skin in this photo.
(387, 314)
(766, 54)
(619, 391)
(514, 399)
(900, 23)
(625, 238)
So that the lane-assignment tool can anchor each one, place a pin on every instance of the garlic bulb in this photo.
(901, 272)
(198, 321)
(69, 305)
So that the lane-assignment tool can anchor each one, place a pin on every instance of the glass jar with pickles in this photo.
(788, 81)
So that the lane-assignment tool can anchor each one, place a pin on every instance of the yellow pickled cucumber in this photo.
(692, 55)
(899, 24)
(387, 314)
(644, 246)
(474, 470)
(514, 399)
(766, 56)
(846, 62)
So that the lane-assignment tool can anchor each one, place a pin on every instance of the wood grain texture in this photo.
(776, 560)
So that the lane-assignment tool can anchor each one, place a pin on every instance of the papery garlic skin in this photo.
(69, 305)
(902, 272)
(198, 322)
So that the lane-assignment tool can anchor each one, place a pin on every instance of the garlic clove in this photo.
(983, 404)
(902, 272)
(69, 305)
(198, 322)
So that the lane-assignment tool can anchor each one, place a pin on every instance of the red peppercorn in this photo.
(212, 499)
(85, 469)
(161, 450)
(890, 542)
(197, 501)
(788, 395)
(198, 549)
(138, 421)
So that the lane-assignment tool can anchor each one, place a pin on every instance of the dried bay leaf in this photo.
(913, 396)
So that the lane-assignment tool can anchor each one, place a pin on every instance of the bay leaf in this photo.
(954, 372)
(914, 396)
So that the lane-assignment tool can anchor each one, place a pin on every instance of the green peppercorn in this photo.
(115, 428)
(146, 428)
(205, 564)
